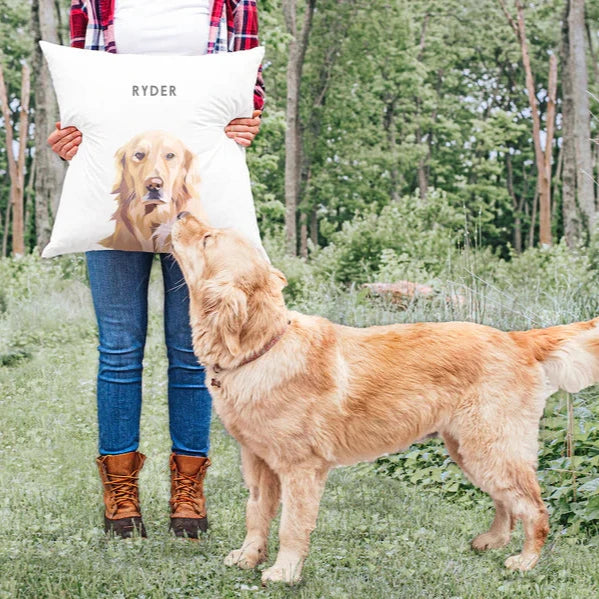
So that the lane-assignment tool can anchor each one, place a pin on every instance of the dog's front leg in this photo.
(301, 491)
(261, 508)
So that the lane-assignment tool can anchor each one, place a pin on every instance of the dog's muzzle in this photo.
(154, 187)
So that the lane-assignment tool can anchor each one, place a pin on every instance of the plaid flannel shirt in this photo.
(233, 26)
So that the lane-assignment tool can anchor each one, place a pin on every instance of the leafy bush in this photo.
(420, 233)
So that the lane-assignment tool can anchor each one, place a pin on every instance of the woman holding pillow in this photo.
(119, 280)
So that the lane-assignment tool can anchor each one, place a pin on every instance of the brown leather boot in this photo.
(188, 505)
(119, 474)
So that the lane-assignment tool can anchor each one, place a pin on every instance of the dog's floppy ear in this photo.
(192, 176)
(226, 305)
(120, 169)
(279, 278)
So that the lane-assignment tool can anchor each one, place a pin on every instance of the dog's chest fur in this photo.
(258, 417)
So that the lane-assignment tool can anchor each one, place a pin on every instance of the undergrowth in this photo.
(47, 303)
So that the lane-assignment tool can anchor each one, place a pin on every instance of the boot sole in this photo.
(125, 528)
(188, 527)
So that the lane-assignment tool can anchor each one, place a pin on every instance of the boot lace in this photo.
(185, 488)
(124, 488)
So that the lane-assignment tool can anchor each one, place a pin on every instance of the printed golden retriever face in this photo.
(156, 178)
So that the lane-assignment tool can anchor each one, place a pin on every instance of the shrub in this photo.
(420, 233)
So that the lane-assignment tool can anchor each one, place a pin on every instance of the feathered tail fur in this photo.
(568, 353)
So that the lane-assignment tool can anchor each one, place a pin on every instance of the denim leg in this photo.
(189, 401)
(119, 287)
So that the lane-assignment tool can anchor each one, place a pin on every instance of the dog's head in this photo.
(156, 168)
(234, 291)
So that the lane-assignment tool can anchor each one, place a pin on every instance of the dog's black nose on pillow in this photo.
(182, 215)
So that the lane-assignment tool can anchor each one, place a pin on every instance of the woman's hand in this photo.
(243, 131)
(65, 142)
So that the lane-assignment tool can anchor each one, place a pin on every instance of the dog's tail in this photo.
(568, 353)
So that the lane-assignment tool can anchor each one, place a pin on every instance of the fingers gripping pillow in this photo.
(153, 145)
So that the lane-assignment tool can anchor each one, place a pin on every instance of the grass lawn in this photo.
(376, 537)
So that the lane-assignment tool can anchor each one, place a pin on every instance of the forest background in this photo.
(446, 151)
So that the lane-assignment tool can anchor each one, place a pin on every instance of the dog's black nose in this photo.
(182, 215)
(154, 184)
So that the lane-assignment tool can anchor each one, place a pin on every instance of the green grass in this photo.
(376, 536)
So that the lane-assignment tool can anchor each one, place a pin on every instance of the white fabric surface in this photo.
(159, 27)
(94, 91)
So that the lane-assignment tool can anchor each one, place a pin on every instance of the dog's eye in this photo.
(206, 237)
(139, 155)
(170, 155)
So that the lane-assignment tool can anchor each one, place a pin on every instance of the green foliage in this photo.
(411, 235)
(572, 483)
(408, 97)
(45, 303)
(266, 164)
(376, 535)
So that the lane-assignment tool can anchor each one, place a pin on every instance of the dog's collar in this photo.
(254, 356)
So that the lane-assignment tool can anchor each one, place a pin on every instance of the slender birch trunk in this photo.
(298, 44)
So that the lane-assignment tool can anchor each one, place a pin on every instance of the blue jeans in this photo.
(119, 285)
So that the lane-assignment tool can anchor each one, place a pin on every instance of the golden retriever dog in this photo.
(303, 395)
(156, 179)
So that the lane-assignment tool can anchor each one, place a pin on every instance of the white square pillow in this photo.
(153, 144)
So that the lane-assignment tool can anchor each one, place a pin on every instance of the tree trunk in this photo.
(570, 210)
(303, 235)
(50, 169)
(422, 178)
(516, 204)
(6, 230)
(557, 178)
(314, 227)
(293, 143)
(543, 177)
(18, 230)
(422, 170)
(16, 168)
(391, 128)
(545, 215)
(28, 194)
(594, 59)
(596, 162)
(533, 218)
(581, 112)
(336, 31)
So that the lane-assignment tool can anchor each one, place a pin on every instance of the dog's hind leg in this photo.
(523, 500)
(301, 492)
(500, 532)
(505, 469)
(262, 506)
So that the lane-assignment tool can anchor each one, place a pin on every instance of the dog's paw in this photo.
(522, 561)
(488, 540)
(245, 558)
(290, 575)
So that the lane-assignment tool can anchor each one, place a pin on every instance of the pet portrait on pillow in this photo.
(153, 145)
(157, 177)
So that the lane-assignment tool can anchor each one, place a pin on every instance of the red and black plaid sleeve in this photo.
(78, 23)
(242, 23)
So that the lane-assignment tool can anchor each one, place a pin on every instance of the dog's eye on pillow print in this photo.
(153, 145)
